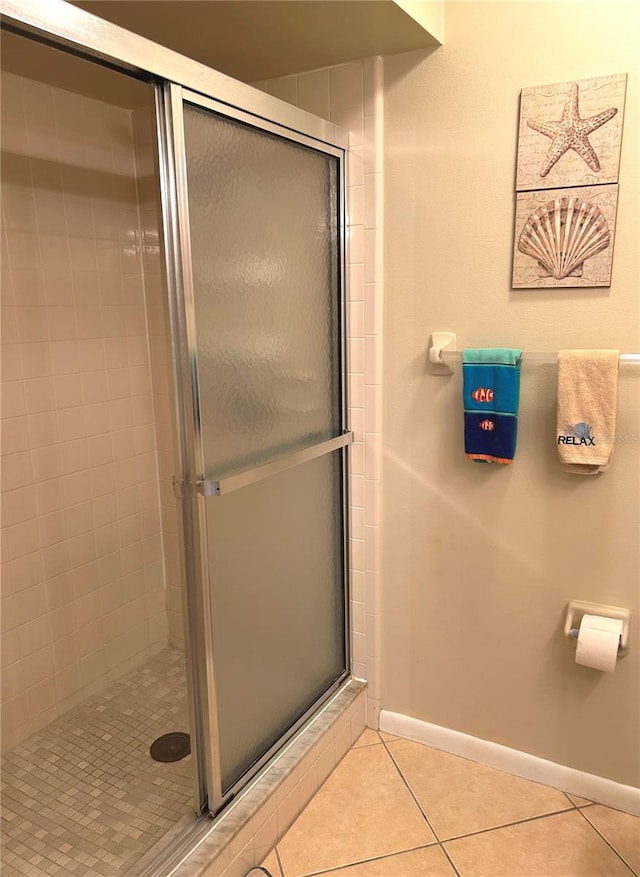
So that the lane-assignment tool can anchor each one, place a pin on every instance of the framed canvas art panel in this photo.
(570, 133)
(564, 237)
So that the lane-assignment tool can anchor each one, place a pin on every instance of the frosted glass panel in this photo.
(278, 605)
(265, 257)
(264, 252)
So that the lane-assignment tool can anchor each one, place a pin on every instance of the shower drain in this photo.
(171, 747)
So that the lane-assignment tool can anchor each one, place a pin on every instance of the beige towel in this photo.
(587, 388)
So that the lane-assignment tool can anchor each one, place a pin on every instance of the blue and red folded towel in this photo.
(491, 392)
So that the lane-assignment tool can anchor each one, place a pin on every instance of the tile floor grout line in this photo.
(442, 843)
(411, 792)
(508, 824)
(571, 806)
(609, 844)
(335, 868)
(420, 808)
(435, 843)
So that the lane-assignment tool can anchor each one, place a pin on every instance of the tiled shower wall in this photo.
(82, 588)
(351, 95)
(159, 350)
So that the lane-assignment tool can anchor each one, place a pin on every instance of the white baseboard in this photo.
(567, 779)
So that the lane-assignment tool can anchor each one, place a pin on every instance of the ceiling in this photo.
(33, 60)
(250, 40)
(253, 40)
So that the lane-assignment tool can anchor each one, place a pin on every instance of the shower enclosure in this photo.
(174, 436)
(257, 217)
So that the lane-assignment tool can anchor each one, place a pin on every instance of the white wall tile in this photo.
(72, 528)
(285, 88)
(347, 99)
(313, 93)
(356, 205)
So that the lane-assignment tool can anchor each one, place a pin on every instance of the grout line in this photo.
(426, 818)
(571, 807)
(509, 824)
(277, 852)
(610, 845)
(568, 809)
(381, 858)
(575, 806)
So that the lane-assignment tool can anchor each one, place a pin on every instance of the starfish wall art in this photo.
(570, 133)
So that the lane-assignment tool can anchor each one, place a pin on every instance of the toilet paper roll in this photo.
(598, 642)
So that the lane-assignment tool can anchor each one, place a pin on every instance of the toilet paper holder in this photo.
(580, 608)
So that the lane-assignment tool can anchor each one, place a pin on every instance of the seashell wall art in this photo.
(569, 145)
(564, 237)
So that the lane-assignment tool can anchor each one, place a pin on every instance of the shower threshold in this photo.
(236, 839)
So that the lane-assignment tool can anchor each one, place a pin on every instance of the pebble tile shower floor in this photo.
(83, 796)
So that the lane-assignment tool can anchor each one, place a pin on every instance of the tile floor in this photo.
(394, 808)
(83, 797)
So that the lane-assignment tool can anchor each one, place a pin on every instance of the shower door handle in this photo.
(223, 486)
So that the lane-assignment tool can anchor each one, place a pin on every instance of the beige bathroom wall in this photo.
(480, 561)
(82, 583)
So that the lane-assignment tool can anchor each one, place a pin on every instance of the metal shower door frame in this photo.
(192, 485)
(68, 28)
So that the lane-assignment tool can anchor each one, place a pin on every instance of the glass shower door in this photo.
(259, 225)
